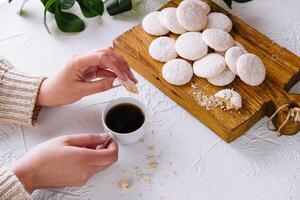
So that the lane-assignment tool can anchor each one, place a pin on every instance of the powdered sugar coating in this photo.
(251, 69)
(191, 16)
(163, 49)
(191, 46)
(220, 21)
(152, 25)
(236, 44)
(230, 95)
(177, 72)
(129, 85)
(204, 5)
(231, 57)
(217, 39)
(224, 78)
(209, 66)
(169, 20)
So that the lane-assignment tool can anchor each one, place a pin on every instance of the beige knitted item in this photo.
(10, 187)
(18, 94)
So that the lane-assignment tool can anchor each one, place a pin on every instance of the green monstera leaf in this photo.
(67, 4)
(50, 8)
(91, 8)
(115, 7)
(229, 2)
(68, 22)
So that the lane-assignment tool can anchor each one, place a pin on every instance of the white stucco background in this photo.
(194, 163)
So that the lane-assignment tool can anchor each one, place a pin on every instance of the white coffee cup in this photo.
(126, 138)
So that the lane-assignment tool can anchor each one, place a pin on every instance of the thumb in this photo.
(83, 140)
(102, 85)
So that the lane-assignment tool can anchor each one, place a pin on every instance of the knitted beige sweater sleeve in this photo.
(18, 94)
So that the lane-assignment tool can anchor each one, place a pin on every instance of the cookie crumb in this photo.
(150, 148)
(142, 140)
(174, 173)
(153, 165)
(146, 178)
(210, 102)
(125, 184)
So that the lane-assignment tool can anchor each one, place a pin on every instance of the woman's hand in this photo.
(76, 80)
(65, 161)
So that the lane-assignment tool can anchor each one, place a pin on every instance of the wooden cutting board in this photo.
(283, 71)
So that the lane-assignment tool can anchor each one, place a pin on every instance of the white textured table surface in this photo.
(193, 162)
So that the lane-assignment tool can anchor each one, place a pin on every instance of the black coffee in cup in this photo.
(124, 118)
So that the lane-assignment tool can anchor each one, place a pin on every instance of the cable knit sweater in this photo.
(18, 94)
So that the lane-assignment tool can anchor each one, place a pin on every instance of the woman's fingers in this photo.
(103, 157)
(83, 140)
(105, 59)
(105, 73)
(94, 87)
(108, 61)
(99, 73)
(101, 59)
(124, 65)
(106, 64)
(121, 62)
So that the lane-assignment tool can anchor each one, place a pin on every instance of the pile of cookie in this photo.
(201, 32)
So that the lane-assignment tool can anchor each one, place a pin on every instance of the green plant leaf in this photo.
(49, 4)
(115, 7)
(51, 8)
(67, 4)
(68, 22)
(228, 2)
(91, 8)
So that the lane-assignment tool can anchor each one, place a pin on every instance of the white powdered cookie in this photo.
(209, 66)
(191, 16)
(163, 49)
(217, 39)
(224, 78)
(231, 57)
(236, 44)
(191, 46)
(251, 69)
(231, 97)
(177, 72)
(152, 25)
(204, 5)
(169, 20)
(220, 21)
(129, 85)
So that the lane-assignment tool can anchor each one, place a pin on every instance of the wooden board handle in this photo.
(285, 120)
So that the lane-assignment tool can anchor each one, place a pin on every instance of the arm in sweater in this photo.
(79, 78)
(18, 93)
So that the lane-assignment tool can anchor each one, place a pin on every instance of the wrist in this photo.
(41, 99)
(25, 178)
